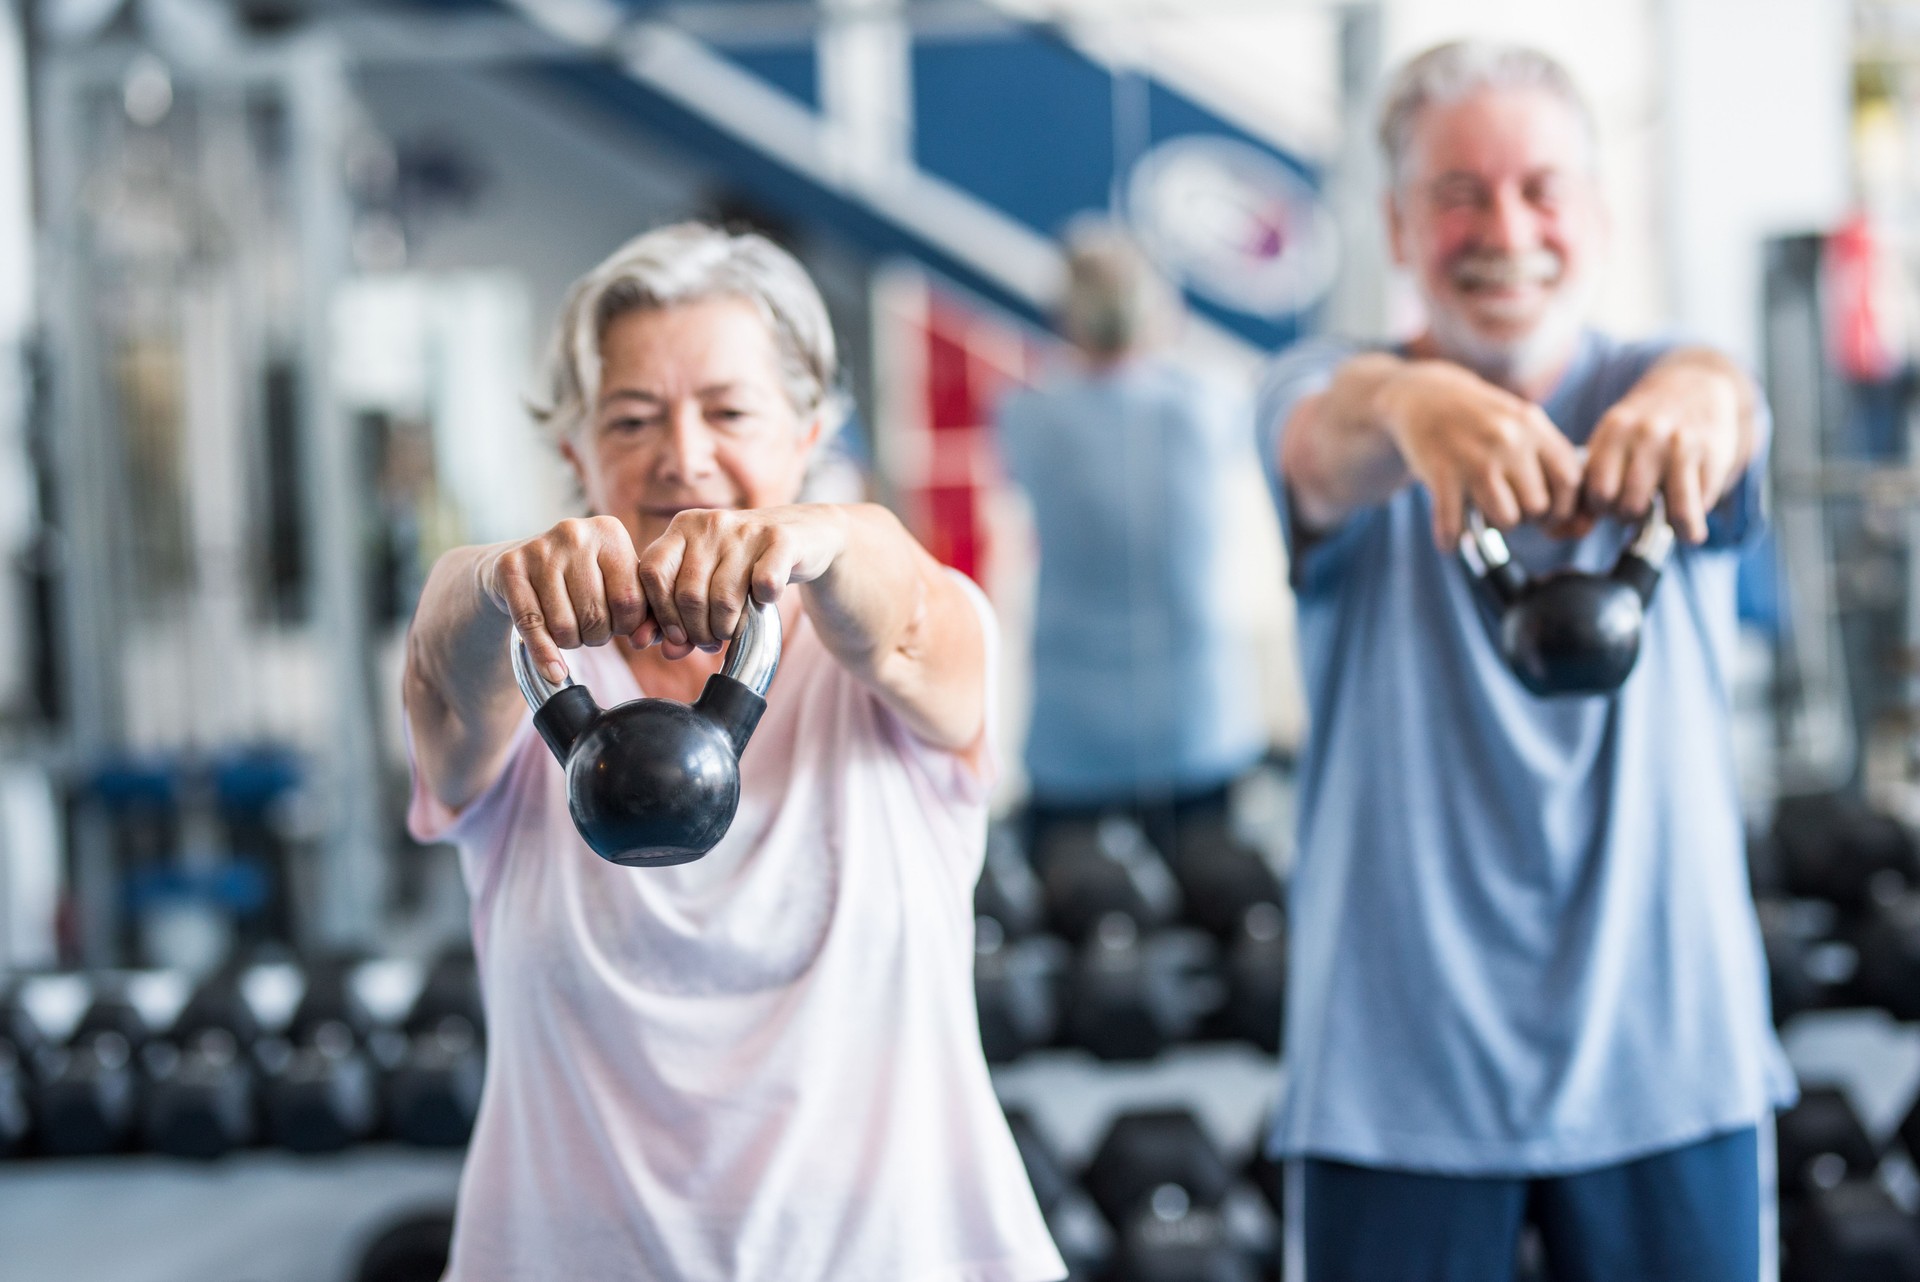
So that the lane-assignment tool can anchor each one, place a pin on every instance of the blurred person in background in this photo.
(1527, 980)
(764, 1064)
(1144, 700)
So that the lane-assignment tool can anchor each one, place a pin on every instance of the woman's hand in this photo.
(575, 585)
(582, 583)
(698, 575)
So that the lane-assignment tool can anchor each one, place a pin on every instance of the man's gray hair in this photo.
(1449, 72)
(686, 263)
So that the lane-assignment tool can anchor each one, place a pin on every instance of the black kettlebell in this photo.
(1569, 632)
(654, 782)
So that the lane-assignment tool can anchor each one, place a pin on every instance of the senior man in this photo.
(1528, 985)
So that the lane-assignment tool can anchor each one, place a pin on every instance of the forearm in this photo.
(461, 703)
(1338, 453)
(895, 619)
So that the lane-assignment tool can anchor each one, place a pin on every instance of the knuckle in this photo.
(625, 601)
(528, 621)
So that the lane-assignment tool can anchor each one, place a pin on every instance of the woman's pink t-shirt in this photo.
(764, 1064)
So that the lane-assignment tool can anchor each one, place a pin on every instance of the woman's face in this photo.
(691, 414)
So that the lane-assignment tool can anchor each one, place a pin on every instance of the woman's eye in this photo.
(727, 415)
(631, 424)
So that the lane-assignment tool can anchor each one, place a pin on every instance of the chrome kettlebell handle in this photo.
(753, 656)
(1652, 541)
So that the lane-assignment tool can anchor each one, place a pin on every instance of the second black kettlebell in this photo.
(654, 782)
(1569, 632)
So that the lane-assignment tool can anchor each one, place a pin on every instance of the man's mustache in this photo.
(1488, 269)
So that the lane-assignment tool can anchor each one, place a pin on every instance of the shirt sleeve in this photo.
(1305, 370)
(431, 820)
(961, 776)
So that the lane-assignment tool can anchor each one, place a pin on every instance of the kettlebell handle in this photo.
(1651, 544)
(753, 656)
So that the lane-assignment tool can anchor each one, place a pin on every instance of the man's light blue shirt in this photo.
(1142, 684)
(1522, 934)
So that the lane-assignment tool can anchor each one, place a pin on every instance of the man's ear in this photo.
(1396, 226)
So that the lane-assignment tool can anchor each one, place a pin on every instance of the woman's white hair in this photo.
(686, 263)
(1449, 72)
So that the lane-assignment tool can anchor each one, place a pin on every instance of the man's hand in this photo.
(1685, 430)
(1469, 441)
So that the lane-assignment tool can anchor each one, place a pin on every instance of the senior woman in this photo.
(765, 1063)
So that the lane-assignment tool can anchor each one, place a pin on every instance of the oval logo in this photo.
(1233, 224)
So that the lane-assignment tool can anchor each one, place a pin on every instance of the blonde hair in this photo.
(1115, 299)
(685, 263)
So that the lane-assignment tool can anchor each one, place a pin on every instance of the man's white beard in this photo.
(1514, 363)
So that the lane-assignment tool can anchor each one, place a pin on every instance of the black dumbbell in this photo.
(200, 1099)
(1016, 989)
(20, 1041)
(1256, 979)
(1220, 878)
(433, 1094)
(1129, 997)
(413, 1248)
(1007, 891)
(1045, 1172)
(86, 1096)
(1833, 847)
(322, 1095)
(1852, 1230)
(1162, 1184)
(1807, 967)
(1092, 870)
(1909, 1133)
(1888, 947)
(1080, 1237)
(1822, 1143)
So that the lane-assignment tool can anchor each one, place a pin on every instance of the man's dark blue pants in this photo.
(1690, 1214)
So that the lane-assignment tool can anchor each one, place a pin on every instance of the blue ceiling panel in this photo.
(1020, 122)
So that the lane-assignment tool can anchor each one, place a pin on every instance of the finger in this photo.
(1606, 463)
(1449, 515)
(529, 617)
(1527, 478)
(620, 582)
(772, 570)
(691, 593)
(657, 570)
(1564, 466)
(1645, 471)
(1686, 509)
(1497, 501)
(727, 592)
(588, 595)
